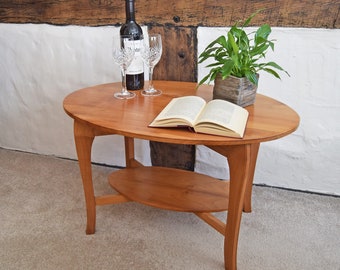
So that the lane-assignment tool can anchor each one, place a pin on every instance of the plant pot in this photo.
(239, 91)
(170, 155)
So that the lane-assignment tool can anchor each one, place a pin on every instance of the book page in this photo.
(221, 117)
(187, 108)
(217, 112)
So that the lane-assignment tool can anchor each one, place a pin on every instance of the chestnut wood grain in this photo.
(268, 118)
(287, 13)
(175, 190)
(96, 112)
(172, 189)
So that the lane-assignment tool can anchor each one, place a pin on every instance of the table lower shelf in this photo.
(172, 189)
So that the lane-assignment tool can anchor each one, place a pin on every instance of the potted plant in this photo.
(237, 62)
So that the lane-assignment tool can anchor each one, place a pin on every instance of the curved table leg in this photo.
(254, 149)
(242, 160)
(84, 137)
(239, 158)
(227, 152)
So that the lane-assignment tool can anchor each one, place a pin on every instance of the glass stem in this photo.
(124, 90)
(150, 78)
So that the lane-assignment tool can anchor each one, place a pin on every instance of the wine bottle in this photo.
(135, 72)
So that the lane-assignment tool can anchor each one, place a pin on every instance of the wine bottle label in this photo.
(137, 65)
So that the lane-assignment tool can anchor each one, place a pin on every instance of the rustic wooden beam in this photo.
(178, 62)
(285, 13)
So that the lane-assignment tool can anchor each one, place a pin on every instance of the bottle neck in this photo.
(130, 10)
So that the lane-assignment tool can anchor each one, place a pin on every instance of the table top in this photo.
(268, 119)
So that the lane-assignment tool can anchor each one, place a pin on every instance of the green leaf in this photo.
(263, 32)
(259, 50)
(251, 76)
(231, 40)
(214, 64)
(222, 41)
(273, 64)
(213, 75)
(227, 68)
(273, 72)
(205, 78)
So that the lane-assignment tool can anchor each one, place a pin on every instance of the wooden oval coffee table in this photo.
(96, 112)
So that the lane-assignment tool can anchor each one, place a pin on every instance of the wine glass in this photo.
(123, 54)
(151, 52)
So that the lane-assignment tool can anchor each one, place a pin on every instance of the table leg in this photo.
(239, 159)
(130, 153)
(84, 137)
(254, 149)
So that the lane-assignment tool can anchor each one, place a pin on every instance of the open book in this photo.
(217, 117)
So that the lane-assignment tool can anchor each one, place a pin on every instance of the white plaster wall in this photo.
(41, 64)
